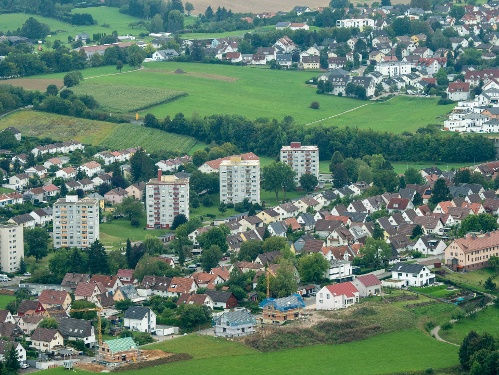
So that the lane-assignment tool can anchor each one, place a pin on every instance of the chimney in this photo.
(160, 173)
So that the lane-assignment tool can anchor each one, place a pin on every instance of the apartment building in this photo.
(473, 251)
(166, 197)
(359, 23)
(239, 179)
(302, 159)
(11, 247)
(76, 222)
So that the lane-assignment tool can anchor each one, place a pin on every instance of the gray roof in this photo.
(129, 291)
(219, 295)
(137, 312)
(238, 317)
(278, 228)
(407, 268)
(69, 327)
(308, 219)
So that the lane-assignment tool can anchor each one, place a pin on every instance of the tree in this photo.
(417, 231)
(8, 140)
(178, 220)
(33, 29)
(375, 253)
(215, 236)
(308, 182)
(199, 157)
(250, 250)
(123, 305)
(338, 4)
(130, 208)
(493, 263)
(36, 242)
(97, 259)
(193, 315)
(22, 266)
(119, 65)
(189, 8)
(11, 364)
(52, 90)
(313, 267)
(489, 284)
(210, 257)
(153, 245)
(285, 279)
(315, 105)
(412, 176)
(175, 21)
(472, 343)
(477, 223)
(142, 166)
(83, 305)
(148, 265)
(274, 244)
(441, 77)
(116, 260)
(156, 24)
(277, 177)
(48, 323)
(378, 232)
(440, 192)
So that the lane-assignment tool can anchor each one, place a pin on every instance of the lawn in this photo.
(397, 115)
(115, 233)
(473, 280)
(113, 98)
(60, 30)
(4, 301)
(97, 133)
(397, 352)
(439, 291)
(485, 321)
(401, 167)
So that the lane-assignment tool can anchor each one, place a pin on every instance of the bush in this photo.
(447, 326)
(315, 105)
(445, 101)
(135, 222)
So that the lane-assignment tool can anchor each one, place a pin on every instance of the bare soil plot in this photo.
(34, 83)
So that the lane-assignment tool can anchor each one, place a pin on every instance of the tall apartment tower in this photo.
(11, 247)
(166, 197)
(302, 159)
(239, 179)
(76, 222)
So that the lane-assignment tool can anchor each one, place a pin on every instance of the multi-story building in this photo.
(11, 247)
(239, 179)
(166, 197)
(76, 222)
(359, 23)
(473, 251)
(302, 159)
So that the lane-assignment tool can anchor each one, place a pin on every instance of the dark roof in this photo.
(137, 312)
(44, 334)
(70, 327)
(219, 295)
(27, 305)
(407, 267)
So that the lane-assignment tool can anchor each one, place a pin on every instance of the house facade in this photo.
(337, 296)
(235, 323)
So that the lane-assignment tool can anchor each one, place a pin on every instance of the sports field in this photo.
(98, 133)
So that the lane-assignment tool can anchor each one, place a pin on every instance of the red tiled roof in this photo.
(347, 289)
(52, 297)
(369, 280)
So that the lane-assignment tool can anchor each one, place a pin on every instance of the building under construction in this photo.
(118, 351)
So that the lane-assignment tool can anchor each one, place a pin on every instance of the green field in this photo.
(121, 99)
(473, 280)
(397, 115)
(98, 133)
(485, 321)
(4, 301)
(439, 291)
(115, 233)
(401, 167)
(384, 354)
(60, 30)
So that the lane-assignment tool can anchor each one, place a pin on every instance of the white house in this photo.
(337, 296)
(367, 285)
(339, 269)
(77, 329)
(46, 339)
(412, 274)
(165, 54)
(5, 346)
(235, 323)
(138, 318)
(430, 246)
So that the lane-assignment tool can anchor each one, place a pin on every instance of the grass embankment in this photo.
(98, 133)
(4, 301)
(473, 280)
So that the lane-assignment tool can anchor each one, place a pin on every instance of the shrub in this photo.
(315, 105)
(447, 326)
(135, 222)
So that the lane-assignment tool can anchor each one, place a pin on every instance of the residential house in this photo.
(116, 196)
(337, 296)
(180, 285)
(235, 323)
(222, 299)
(164, 54)
(71, 280)
(125, 276)
(117, 351)
(429, 246)
(46, 340)
(50, 298)
(367, 285)
(458, 91)
(141, 319)
(196, 299)
(111, 283)
(77, 329)
(89, 291)
(280, 310)
(412, 274)
(473, 251)
(28, 307)
(5, 346)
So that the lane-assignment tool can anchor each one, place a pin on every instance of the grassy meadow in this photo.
(97, 133)
(4, 301)
(114, 234)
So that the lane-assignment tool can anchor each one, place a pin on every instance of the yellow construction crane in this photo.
(99, 327)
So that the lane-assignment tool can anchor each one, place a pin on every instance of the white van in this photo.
(4, 278)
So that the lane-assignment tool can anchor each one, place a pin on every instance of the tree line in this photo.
(265, 136)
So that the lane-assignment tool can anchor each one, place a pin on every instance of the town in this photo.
(167, 227)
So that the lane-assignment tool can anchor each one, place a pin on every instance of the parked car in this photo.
(24, 365)
(27, 274)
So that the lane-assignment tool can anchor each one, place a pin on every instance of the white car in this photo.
(27, 274)
(24, 365)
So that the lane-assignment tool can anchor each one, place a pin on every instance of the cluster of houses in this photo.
(479, 114)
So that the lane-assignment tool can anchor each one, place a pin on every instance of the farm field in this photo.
(97, 133)
(485, 321)
(121, 99)
(424, 352)
(103, 15)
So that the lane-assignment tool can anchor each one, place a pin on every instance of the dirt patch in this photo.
(92, 367)
(214, 77)
(151, 355)
(34, 84)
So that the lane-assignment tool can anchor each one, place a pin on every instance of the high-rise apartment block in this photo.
(11, 247)
(239, 179)
(166, 197)
(302, 159)
(76, 222)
